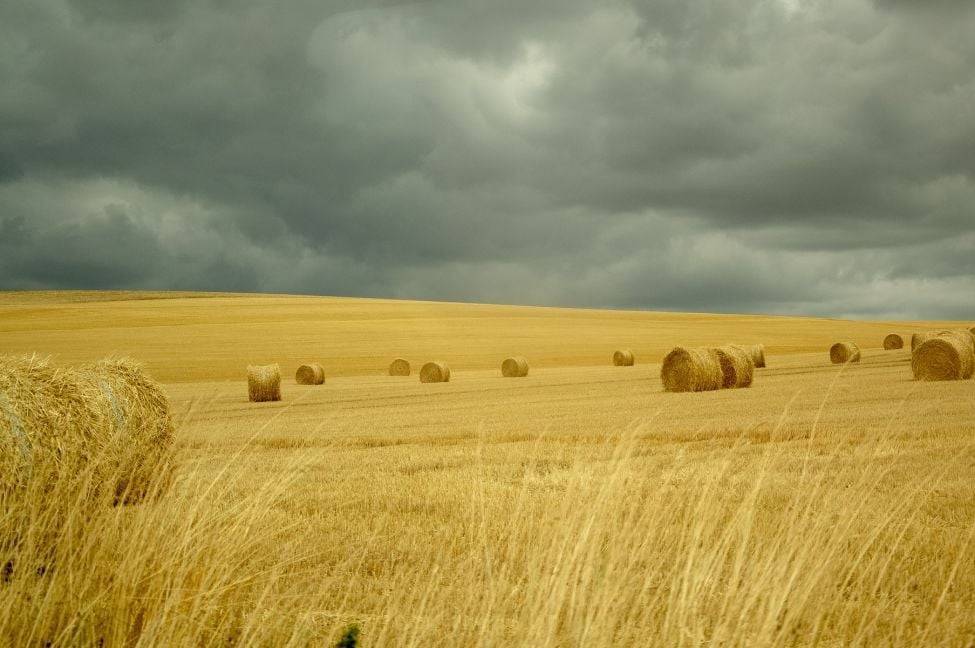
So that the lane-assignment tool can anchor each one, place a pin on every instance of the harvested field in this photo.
(826, 504)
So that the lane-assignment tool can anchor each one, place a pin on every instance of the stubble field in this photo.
(580, 506)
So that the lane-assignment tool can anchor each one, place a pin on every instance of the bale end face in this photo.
(310, 374)
(893, 341)
(399, 367)
(516, 367)
(737, 367)
(946, 356)
(686, 369)
(264, 383)
(435, 372)
(623, 358)
(843, 352)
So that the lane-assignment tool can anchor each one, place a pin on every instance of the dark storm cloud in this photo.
(753, 155)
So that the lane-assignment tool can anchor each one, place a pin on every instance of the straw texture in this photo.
(264, 383)
(685, 369)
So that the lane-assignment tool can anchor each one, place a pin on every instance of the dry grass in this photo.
(825, 505)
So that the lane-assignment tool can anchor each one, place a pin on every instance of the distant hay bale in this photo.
(514, 367)
(264, 383)
(310, 374)
(106, 421)
(399, 367)
(893, 341)
(623, 358)
(737, 367)
(949, 355)
(435, 372)
(843, 352)
(685, 369)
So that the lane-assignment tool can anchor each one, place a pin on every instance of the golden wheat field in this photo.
(581, 505)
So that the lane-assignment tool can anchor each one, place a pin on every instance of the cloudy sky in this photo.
(783, 156)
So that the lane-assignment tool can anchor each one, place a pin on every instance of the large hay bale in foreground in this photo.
(917, 339)
(435, 372)
(949, 355)
(264, 383)
(107, 423)
(515, 367)
(310, 374)
(685, 369)
(737, 367)
(893, 341)
(623, 358)
(399, 367)
(843, 352)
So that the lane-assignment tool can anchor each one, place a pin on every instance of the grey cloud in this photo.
(754, 155)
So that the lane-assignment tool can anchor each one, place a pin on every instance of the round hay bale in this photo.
(947, 356)
(754, 351)
(399, 367)
(435, 372)
(843, 352)
(514, 367)
(686, 369)
(264, 383)
(917, 339)
(310, 374)
(893, 341)
(623, 358)
(737, 367)
(107, 422)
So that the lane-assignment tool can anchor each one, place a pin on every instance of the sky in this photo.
(767, 156)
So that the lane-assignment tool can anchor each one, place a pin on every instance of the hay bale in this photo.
(107, 422)
(686, 369)
(917, 339)
(623, 358)
(310, 374)
(949, 355)
(754, 351)
(737, 367)
(264, 383)
(514, 367)
(399, 367)
(893, 341)
(843, 352)
(435, 372)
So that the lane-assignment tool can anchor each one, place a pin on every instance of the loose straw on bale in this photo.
(949, 355)
(893, 341)
(264, 383)
(399, 367)
(843, 352)
(737, 367)
(686, 369)
(623, 358)
(310, 374)
(107, 423)
(434, 372)
(919, 338)
(515, 367)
